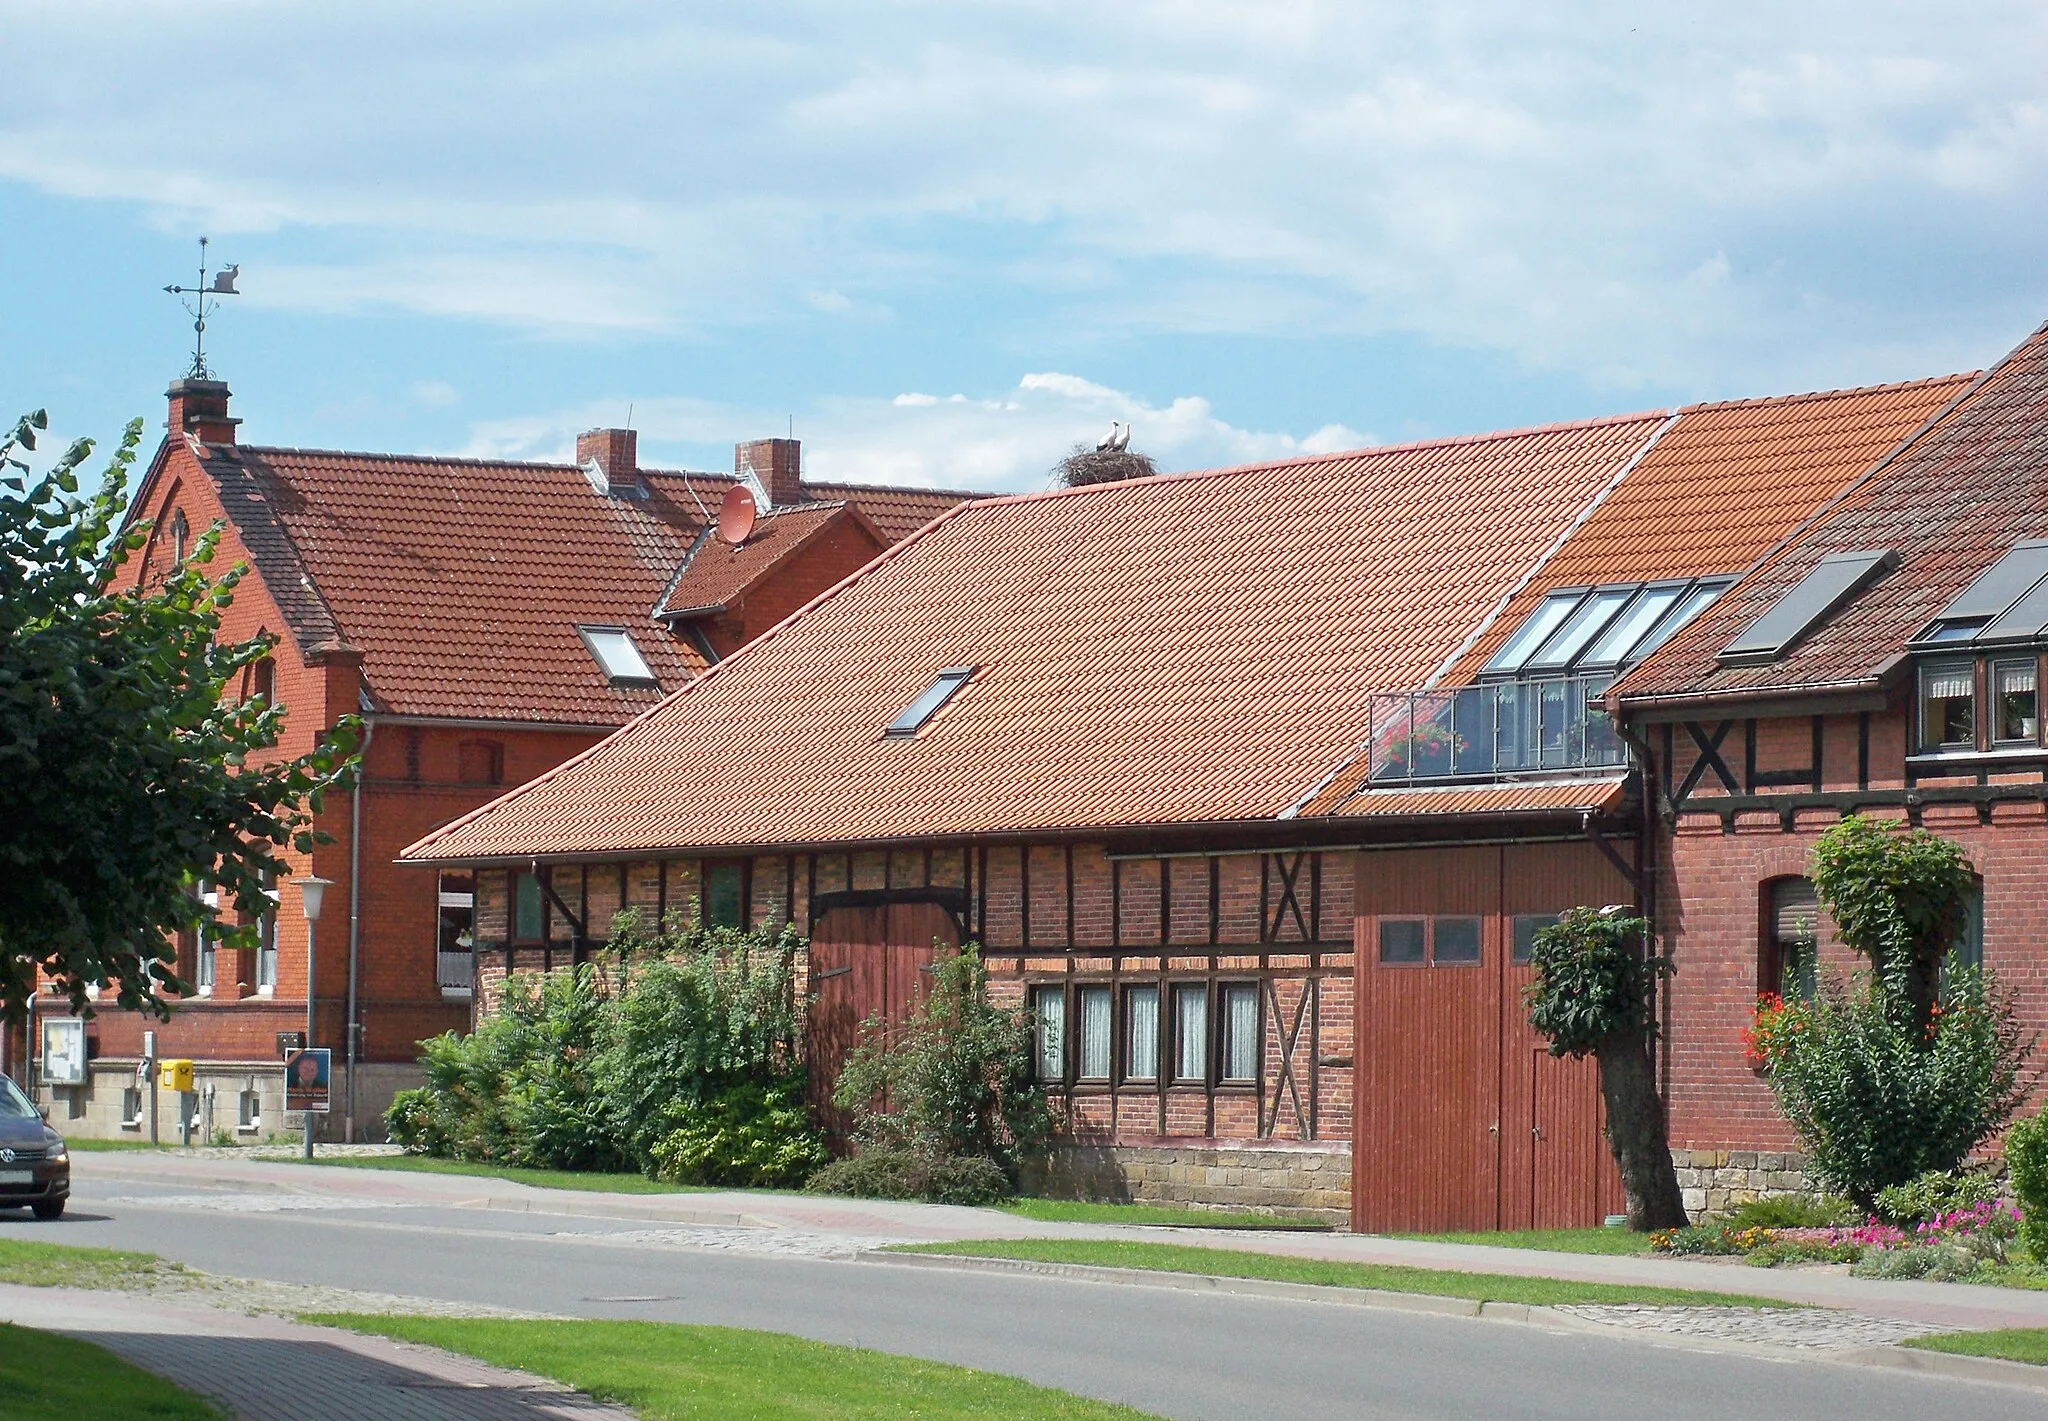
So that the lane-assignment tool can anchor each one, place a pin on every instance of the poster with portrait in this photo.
(307, 1078)
(63, 1050)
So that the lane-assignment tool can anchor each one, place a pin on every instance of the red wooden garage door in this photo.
(865, 962)
(1463, 1120)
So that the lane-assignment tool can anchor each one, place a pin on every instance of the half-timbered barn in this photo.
(1252, 783)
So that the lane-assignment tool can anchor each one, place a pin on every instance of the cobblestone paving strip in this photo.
(1807, 1329)
(226, 1202)
(786, 1243)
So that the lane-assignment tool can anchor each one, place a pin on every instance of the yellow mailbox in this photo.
(176, 1075)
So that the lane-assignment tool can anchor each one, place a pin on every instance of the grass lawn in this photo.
(2014, 1344)
(1068, 1211)
(666, 1370)
(56, 1265)
(1554, 1240)
(539, 1178)
(88, 1146)
(1230, 1263)
(44, 1375)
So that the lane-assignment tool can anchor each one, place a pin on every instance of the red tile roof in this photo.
(1530, 797)
(1722, 485)
(1182, 649)
(1949, 504)
(714, 571)
(898, 512)
(463, 581)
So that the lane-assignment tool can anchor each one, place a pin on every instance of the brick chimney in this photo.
(200, 408)
(777, 463)
(617, 452)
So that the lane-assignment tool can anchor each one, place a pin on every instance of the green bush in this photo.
(1876, 1099)
(2026, 1160)
(896, 1172)
(1792, 1211)
(1938, 1262)
(1930, 1195)
(679, 1061)
(753, 1135)
(953, 1081)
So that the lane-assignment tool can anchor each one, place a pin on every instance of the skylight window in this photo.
(1542, 622)
(928, 702)
(2007, 602)
(1832, 582)
(1602, 628)
(613, 650)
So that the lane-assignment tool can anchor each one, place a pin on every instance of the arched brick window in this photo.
(480, 762)
(181, 537)
(1788, 949)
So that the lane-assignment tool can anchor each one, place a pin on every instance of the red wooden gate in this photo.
(865, 962)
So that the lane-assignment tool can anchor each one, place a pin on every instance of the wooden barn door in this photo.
(1427, 1149)
(1556, 1169)
(865, 962)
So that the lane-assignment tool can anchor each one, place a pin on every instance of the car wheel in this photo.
(48, 1209)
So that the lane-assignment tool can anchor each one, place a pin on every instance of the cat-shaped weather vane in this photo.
(201, 305)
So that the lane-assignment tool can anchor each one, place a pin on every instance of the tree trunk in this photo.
(1635, 1132)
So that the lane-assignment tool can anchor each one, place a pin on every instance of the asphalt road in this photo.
(1179, 1354)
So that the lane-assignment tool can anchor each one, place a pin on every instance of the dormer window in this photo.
(1948, 705)
(613, 650)
(928, 701)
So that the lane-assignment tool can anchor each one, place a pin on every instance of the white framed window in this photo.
(209, 942)
(1141, 1034)
(1240, 1031)
(455, 947)
(1093, 1064)
(1049, 1032)
(249, 1112)
(266, 939)
(131, 1108)
(1191, 1032)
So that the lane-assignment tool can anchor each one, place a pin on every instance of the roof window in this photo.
(613, 650)
(928, 702)
(1832, 582)
(2007, 602)
(1604, 628)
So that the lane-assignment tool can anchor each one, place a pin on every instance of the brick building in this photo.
(488, 620)
(1143, 742)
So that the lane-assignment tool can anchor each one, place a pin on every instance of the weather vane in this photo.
(202, 306)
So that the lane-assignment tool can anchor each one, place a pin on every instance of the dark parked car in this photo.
(35, 1168)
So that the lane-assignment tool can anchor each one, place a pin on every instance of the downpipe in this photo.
(355, 906)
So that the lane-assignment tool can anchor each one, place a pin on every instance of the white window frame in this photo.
(617, 655)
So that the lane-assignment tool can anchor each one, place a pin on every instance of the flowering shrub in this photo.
(1958, 1244)
(1768, 1247)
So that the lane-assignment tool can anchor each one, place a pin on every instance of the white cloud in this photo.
(1868, 181)
(434, 394)
(1005, 441)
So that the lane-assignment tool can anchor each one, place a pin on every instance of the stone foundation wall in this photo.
(103, 1109)
(1307, 1181)
(1714, 1181)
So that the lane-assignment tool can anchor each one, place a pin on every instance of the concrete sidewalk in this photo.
(267, 1369)
(864, 1222)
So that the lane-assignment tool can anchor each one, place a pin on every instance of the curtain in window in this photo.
(1191, 1033)
(1051, 1010)
(1095, 1032)
(1241, 1032)
(1141, 1052)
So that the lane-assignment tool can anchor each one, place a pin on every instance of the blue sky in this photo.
(947, 241)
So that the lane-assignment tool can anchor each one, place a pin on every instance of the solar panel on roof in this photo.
(1806, 605)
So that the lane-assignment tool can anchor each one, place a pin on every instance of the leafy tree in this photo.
(1899, 899)
(1592, 994)
(127, 771)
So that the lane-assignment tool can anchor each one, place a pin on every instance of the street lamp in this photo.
(312, 892)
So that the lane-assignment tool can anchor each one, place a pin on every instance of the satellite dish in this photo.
(736, 515)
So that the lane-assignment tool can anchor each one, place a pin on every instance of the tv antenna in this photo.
(204, 299)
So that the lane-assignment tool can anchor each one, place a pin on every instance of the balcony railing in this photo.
(456, 970)
(1493, 730)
